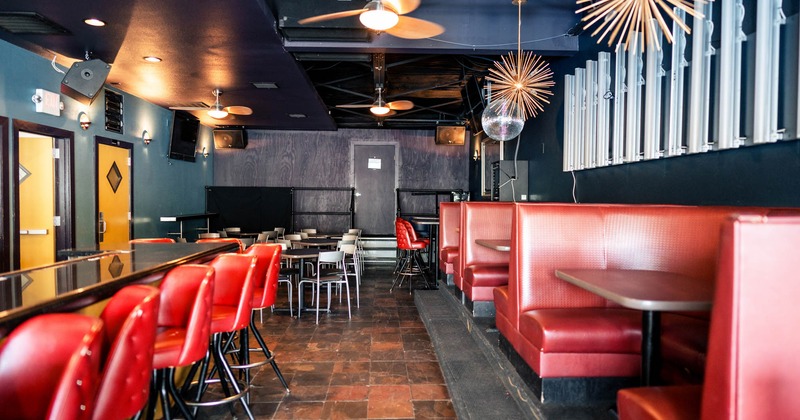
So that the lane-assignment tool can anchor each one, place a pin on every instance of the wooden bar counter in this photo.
(70, 285)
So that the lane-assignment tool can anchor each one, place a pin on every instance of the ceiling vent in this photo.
(30, 23)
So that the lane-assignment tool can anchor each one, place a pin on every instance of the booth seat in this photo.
(570, 338)
(753, 342)
(481, 269)
(449, 218)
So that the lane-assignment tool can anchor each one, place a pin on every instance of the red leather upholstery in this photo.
(130, 319)
(546, 237)
(753, 341)
(231, 240)
(50, 368)
(404, 238)
(152, 241)
(184, 318)
(268, 267)
(449, 220)
(482, 220)
(233, 292)
(413, 233)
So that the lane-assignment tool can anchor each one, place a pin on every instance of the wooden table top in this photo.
(644, 290)
(503, 245)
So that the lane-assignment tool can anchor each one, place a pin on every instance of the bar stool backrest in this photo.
(42, 363)
(130, 320)
(234, 278)
(266, 280)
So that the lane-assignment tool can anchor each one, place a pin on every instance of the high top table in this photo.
(650, 292)
(182, 217)
(70, 285)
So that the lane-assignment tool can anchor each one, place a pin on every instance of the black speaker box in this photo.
(450, 135)
(230, 139)
(84, 80)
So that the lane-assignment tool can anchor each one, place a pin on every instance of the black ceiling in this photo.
(233, 44)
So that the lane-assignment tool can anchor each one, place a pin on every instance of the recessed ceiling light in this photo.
(265, 85)
(297, 115)
(152, 59)
(94, 22)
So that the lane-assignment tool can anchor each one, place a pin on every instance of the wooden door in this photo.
(113, 194)
(374, 178)
(37, 201)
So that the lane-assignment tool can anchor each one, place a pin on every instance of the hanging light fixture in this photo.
(379, 107)
(217, 111)
(629, 18)
(521, 84)
(378, 17)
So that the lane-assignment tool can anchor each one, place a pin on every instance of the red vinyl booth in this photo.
(481, 269)
(449, 220)
(753, 339)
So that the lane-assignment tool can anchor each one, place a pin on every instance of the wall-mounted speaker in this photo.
(450, 135)
(84, 80)
(230, 139)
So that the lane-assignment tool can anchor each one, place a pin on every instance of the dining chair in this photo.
(303, 235)
(310, 231)
(293, 237)
(330, 271)
(352, 266)
(286, 273)
(271, 235)
(279, 232)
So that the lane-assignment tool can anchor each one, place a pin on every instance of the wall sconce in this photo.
(83, 120)
(205, 154)
(476, 155)
(146, 137)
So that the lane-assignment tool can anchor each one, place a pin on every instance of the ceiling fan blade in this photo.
(402, 105)
(188, 108)
(413, 28)
(239, 110)
(355, 106)
(330, 16)
(402, 6)
(388, 114)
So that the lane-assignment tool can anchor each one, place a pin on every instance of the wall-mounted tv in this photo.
(183, 136)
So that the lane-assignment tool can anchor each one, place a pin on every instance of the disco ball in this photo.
(501, 120)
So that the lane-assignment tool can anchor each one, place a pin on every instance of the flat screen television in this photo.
(183, 136)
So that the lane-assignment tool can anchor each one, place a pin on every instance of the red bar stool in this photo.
(409, 265)
(264, 293)
(151, 241)
(184, 325)
(50, 368)
(231, 309)
(223, 240)
(130, 319)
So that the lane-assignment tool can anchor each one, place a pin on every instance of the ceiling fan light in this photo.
(379, 19)
(217, 113)
(379, 110)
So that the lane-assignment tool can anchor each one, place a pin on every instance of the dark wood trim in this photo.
(65, 185)
(116, 143)
(5, 206)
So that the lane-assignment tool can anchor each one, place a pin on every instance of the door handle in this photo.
(102, 226)
(33, 232)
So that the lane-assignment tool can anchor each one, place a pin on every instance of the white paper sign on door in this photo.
(374, 163)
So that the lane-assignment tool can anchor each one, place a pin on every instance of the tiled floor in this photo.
(379, 364)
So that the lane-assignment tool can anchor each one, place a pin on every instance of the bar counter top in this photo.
(70, 285)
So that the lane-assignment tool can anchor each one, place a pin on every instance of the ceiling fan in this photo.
(381, 108)
(386, 15)
(217, 111)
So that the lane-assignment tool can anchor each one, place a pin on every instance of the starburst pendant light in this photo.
(628, 18)
(521, 85)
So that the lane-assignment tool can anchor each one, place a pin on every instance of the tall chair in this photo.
(330, 271)
(130, 320)
(409, 264)
(184, 325)
(50, 368)
(264, 293)
(231, 309)
(223, 240)
(151, 241)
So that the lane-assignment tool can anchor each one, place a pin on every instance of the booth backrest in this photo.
(483, 220)
(546, 237)
(449, 218)
(753, 338)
